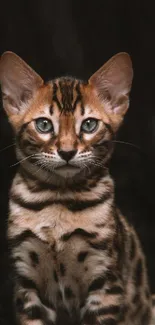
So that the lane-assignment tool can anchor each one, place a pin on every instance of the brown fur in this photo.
(70, 246)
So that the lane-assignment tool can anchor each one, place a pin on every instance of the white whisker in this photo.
(7, 147)
(18, 162)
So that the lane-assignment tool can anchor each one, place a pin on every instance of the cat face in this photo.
(64, 132)
(65, 127)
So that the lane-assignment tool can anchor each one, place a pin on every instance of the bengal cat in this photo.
(71, 249)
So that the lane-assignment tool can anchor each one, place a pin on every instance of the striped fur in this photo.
(70, 247)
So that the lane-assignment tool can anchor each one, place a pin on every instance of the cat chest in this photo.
(56, 223)
(62, 272)
(72, 271)
(62, 233)
(57, 248)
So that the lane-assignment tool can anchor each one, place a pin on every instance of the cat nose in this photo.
(67, 155)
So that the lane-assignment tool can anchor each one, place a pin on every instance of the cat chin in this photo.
(67, 172)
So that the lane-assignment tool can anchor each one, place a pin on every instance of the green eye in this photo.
(44, 125)
(89, 125)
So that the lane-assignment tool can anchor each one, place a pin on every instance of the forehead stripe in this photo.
(66, 89)
(79, 98)
(55, 98)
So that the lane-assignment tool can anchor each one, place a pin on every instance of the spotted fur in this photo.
(71, 249)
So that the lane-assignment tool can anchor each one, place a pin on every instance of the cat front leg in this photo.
(29, 309)
(32, 268)
(105, 303)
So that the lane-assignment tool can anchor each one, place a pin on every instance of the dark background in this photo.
(73, 37)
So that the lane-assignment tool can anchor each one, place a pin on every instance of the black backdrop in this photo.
(76, 37)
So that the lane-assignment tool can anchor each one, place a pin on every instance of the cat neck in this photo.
(79, 183)
(75, 196)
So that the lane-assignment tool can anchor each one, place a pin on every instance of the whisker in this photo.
(38, 170)
(127, 143)
(7, 147)
(45, 163)
(97, 160)
(98, 164)
(41, 165)
(87, 167)
(18, 162)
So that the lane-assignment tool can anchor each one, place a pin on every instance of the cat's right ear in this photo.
(18, 83)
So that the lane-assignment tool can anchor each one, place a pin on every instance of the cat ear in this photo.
(112, 83)
(18, 82)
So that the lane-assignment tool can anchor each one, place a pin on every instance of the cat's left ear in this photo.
(18, 83)
(112, 84)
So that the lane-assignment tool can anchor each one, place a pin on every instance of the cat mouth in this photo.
(67, 170)
(68, 166)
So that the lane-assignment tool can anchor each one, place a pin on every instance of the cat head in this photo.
(65, 127)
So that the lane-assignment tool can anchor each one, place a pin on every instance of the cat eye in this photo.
(44, 125)
(90, 125)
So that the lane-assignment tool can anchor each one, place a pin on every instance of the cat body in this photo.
(71, 248)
